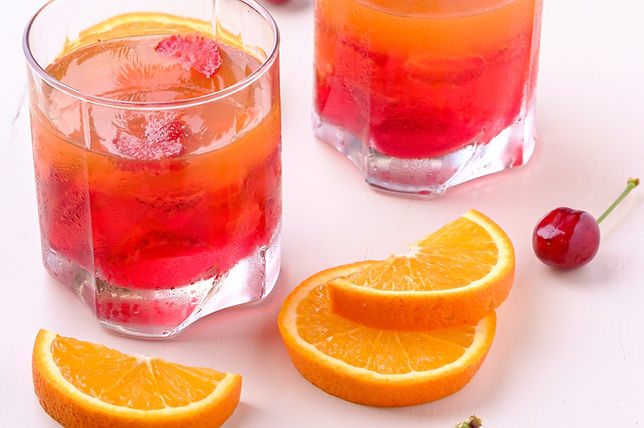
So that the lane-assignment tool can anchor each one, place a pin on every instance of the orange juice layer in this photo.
(156, 197)
(443, 28)
(422, 79)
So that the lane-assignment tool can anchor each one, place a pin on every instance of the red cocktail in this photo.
(158, 169)
(423, 95)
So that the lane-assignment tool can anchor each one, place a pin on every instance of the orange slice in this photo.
(372, 366)
(454, 276)
(135, 24)
(81, 384)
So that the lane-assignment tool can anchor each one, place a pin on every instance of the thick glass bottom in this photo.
(512, 147)
(160, 313)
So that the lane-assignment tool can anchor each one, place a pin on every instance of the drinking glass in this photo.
(424, 95)
(158, 203)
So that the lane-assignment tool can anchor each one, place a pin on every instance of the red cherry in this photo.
(566, 238)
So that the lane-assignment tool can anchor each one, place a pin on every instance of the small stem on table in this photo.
(471, 422)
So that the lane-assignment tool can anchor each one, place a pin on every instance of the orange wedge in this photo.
(454, 276)
(81, 384)
(372, 366)
(135, 24)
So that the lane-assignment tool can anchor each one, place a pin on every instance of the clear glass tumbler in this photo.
(424, 95)
(157, 151)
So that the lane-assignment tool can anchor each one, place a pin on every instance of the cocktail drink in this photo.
(156, 141)
(423, 95)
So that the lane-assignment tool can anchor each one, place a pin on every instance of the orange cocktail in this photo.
(414, 91)
(160, 191)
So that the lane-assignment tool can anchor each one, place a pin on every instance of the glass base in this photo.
(512, 147)
(161, 313)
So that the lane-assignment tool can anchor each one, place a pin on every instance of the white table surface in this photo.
(569, 349)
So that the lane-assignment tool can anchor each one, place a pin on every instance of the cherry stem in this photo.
(631, 184)
(471, 422)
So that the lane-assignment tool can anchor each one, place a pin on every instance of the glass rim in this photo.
(164, 105)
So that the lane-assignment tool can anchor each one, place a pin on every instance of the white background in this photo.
(569, 349)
